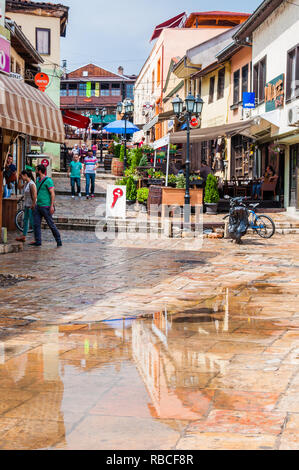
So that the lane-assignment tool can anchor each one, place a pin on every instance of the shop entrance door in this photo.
(294, 176)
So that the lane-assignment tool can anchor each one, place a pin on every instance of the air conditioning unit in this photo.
(293, 116)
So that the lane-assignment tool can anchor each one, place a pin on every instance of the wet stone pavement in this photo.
(139, 347)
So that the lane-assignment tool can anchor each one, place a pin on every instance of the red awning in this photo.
(172, 23)
(76, 120)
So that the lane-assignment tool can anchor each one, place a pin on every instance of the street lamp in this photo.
(193, 107)
(101, 114)
(126, 108)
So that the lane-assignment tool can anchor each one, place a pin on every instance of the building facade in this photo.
(44, 24)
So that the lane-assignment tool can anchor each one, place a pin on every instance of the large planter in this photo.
(212, 209)
(117, 167)
(176, 197)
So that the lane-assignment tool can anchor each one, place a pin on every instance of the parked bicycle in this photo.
(19, 219)
(260, 224)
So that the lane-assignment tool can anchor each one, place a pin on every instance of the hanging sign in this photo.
(194, 123)
(4, 55)
(116, 203)
(42, 81)
(274, 93)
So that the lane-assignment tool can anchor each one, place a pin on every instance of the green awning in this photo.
(107, 119)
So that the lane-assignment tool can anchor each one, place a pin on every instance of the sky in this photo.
(117, 33)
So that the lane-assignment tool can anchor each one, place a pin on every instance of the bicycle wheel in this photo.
(20, 220)
(266, 226)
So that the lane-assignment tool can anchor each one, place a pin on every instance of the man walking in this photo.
(44, 206)
(75, 169)
(90, 168)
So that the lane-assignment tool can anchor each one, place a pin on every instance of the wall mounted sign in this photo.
(4, 55)
(274, 93)
(248, 100)
(42, 81)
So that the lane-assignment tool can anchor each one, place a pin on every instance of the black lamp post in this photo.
(102, 114)
(126, 108)
(193, 108)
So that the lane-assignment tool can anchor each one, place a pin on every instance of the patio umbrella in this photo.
(118, 127)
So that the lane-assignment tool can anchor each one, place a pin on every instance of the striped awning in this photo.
(26, 110)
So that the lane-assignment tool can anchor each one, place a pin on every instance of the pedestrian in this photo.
(94, 149)
(75, 171)
(205, 170)
(27, 183)
(44, 206)
(10, 173)
(90, 168)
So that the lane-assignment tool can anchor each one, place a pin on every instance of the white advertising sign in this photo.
(116, 200)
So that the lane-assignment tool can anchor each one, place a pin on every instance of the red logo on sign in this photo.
(42, 81)
(194, 122)
(117, 193)
(45, 163)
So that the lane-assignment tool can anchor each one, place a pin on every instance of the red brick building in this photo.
(91, 87)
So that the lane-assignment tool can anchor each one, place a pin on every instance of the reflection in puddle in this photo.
(89, 386)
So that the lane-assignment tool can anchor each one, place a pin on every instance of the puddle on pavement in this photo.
(135, 380)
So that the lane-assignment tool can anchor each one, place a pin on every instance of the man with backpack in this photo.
(44, 206)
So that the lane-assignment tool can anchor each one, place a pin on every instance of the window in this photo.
(130, 91)
(237, 87)
(63, 90)
(115, 91)
(292, 87)
(82, 89)
(259, 80)
(199, 86)
(153, 81)
(212, 89)
(85, 73)
(73, 89)
(245, 79)
(221, 84)
(105, 89)
(43, 41)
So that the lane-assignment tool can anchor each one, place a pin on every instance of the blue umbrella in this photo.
(118, 127)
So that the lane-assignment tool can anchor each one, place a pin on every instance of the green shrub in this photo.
(121, 182)
(172, 179)
(142, 195)
(135, 157)
(116, 151)
(122, 153)
(211, 192)
(131, 189)
(143, 161)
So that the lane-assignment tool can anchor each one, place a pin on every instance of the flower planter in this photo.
(176, 197)
(212, 209)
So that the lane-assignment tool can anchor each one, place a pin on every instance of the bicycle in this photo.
(19, 219)
(260, 224)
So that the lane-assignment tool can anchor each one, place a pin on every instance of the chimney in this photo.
(120, 70)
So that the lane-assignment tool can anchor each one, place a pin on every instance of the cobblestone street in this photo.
(140, 347)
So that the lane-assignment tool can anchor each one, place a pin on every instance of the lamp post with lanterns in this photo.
(193, 107)
(126, 108)
(101, 114)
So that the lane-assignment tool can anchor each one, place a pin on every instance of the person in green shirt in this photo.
(75, 170)
(44, 207)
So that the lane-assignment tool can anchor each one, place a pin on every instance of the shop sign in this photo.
(116, 201)
(248, 100)
(42, 81)
(4, 55)
(274, 93)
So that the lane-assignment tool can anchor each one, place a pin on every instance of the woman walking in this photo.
(30, 196)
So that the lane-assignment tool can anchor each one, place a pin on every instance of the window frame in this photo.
(212, 89)
(48, 30)
(258, 86)
(236, 87)
(288, 92)
(221, 84)
(245, 67)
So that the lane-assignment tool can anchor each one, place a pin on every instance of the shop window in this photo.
(212, 89)
(259, 80)
(43, 41)
(245, 79)
(237, 87)
(105, 89)
(115, 90)
(292, 85)
(130, 91)
(221, 84)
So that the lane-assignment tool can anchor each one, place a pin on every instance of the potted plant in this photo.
(172, 179)
(142, 197)
(131, 190)
(212, 195)
(117, 166)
